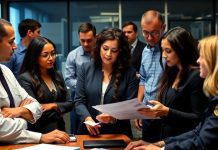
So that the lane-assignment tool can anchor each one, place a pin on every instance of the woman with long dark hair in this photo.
(205, 135)
(40, 78)
(181, 101)
(108, 79)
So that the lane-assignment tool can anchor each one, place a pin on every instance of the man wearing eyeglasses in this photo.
(153, 26)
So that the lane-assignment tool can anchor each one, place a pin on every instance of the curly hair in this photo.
(31, 65)
(123, 59)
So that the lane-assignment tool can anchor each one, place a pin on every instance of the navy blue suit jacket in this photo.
(203, 137)
(88, 94)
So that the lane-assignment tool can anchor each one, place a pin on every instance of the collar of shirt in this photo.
(82, 52)
(134, 44)
(20, 48)
(155, 48)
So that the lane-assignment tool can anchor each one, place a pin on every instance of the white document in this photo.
(124, 110)
(49, 147)
(91, 123)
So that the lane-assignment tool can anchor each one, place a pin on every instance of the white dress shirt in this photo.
(13, 130)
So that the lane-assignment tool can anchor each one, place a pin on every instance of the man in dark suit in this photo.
(136, 46)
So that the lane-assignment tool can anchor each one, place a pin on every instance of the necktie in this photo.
(131, 49)
(5, 85)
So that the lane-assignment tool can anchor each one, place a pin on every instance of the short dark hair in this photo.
(27, 24)
(130, 23)
(86, 27)
(3, 31)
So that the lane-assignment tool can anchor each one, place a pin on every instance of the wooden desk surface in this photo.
(78, 143)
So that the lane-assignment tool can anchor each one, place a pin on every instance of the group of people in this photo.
(110, 67)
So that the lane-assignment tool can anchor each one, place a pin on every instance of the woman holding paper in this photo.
(204, 136)
(108, 79)
(181, 101)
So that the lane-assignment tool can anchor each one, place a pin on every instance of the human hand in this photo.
(25, 102)
(55, 136)
(138, 124)
(93, 130)
(147, 147)
(49, 106)
(158, 109)
(11, 112)
(133, 145)
(105, 118)
(137, 75)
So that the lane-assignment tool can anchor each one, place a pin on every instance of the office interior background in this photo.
(60, 18)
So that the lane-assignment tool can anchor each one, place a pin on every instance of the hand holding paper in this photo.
(157, 110)
(124, 110)
(105, 118)
(91, 123)
(91, 126)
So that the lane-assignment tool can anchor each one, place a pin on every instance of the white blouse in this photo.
(104, 87)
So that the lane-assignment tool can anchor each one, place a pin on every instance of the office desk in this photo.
(78, 143)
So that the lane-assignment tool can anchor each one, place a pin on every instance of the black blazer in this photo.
(137, 55)
(186, 105)
(88, 94)
(203, 137)
(52, 119)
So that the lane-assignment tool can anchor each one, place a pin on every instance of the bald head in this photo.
(151, 16)
(153, 26)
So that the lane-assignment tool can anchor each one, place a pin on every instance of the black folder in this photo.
(104, 143)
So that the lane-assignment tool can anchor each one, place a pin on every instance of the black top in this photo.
(186, 105)
(51, 119)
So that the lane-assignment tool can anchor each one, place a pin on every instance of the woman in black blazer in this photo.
(41, 80)
(181, 101)
(107, 79)
(205, 135)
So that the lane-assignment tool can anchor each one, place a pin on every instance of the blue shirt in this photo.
(150, 72)
(74, 61)
(16, 60)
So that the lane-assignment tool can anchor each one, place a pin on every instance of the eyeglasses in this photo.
(48, 55)
(113, 50)
(154, 33)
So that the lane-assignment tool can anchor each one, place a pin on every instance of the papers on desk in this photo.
(49, 147)
(124, 110)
